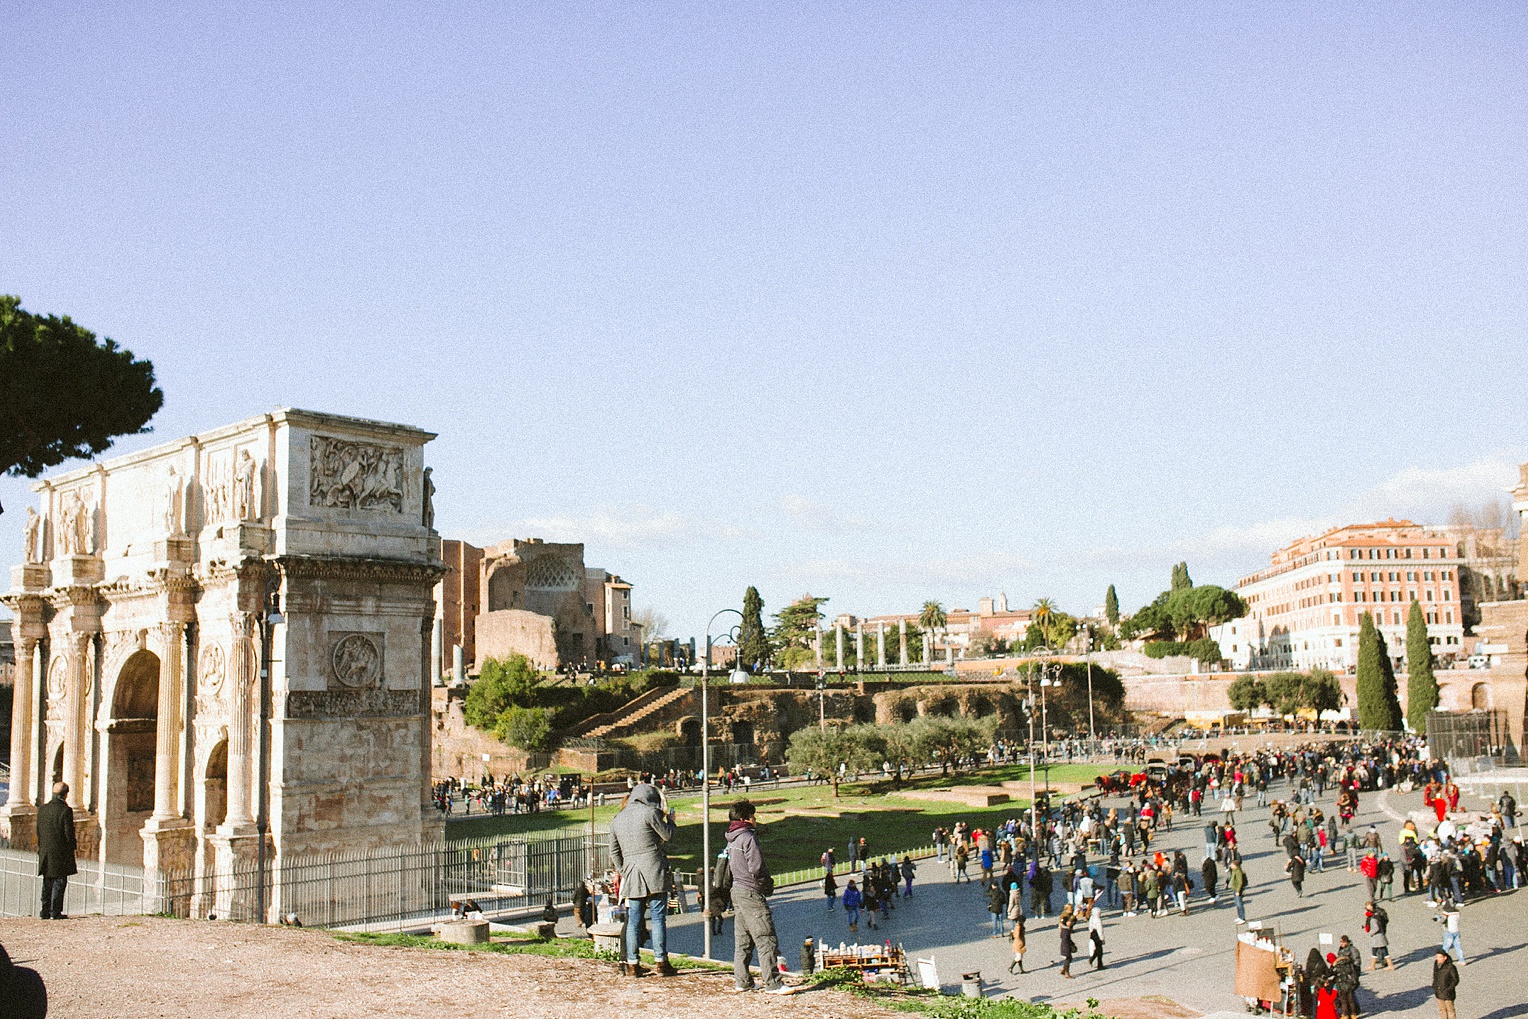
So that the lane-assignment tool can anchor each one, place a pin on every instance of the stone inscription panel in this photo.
(353, 703)
(355, 475)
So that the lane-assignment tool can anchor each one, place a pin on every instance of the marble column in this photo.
(902, 642)
(167, 729)
(928, 647)
(817, 647)
(23, 731)
(838, 635)
(240, 728)
(76, 727)
(859, 647)
(880, 645)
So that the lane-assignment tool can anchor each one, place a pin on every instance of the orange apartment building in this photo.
(1303, 610)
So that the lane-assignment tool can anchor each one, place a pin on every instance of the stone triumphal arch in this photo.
(222, 646)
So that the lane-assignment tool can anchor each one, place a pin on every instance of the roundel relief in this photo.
(356, 660)
(213, 668)
(58, 678)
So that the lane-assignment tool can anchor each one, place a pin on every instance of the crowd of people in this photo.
(1084, 859)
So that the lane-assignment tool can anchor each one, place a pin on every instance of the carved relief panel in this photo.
(355, 475)
(232, 487)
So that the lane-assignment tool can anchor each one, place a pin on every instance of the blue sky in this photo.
(882, 302)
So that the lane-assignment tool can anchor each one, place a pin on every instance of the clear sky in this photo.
(881, 302)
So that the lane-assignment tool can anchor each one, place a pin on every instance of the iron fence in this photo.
(112, 889)
(397, 888)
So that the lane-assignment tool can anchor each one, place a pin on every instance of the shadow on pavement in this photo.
(22, 992)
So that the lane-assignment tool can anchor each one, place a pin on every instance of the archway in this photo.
(1480, 697)
(215, 805)
(128, 797)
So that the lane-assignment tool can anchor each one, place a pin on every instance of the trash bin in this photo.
(971, 984)
(808, 957)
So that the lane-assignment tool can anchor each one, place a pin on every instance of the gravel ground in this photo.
(125, 968)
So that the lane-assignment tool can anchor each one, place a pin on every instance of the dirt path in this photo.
(126, 968)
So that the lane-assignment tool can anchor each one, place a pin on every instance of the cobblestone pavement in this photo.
(1190, 959)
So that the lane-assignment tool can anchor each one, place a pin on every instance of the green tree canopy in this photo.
(64, 394)
(1246, 693)
(857, 748)
(530, 729)
(1180, 579)
(752, 641)
(933, 616)
(1284, 692)
(501, 684)
(1111, 606)
(1322, 692)
(796, 624)
(1421, 684)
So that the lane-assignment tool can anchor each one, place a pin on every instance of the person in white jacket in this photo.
(1096, 933)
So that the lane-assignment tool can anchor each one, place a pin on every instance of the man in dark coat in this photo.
(55, 851)
(1445, 983)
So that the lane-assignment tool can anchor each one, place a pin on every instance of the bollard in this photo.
(808, 957)
(971, 984)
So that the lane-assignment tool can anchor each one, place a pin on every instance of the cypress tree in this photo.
(1111, 606)
(1181, 581)
(1389, 688)
(1421, 685)
(1371, 694)
(752, 643)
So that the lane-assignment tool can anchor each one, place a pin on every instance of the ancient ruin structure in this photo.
(222, 647)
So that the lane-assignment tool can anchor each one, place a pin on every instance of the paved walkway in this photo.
(1188, 959)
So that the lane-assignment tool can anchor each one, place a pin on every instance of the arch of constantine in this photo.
(223, 645)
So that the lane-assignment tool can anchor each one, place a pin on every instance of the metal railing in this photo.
(112, 889)
(397, 888)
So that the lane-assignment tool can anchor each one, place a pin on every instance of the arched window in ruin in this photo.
(1480, 697)
(217, 786)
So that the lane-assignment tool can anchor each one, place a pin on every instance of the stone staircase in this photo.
(629, 719)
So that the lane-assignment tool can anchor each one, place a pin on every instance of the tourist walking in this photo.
(1295, 868)
(1211, 874)
(852, 901)
(637, 835)
(1018, 944)
(830, 889)
(1377, 923)
(997, 905)
(1449, 917)
(753, 925)
(908, 873)
(55, 851)
(1238, 884)
(1445, 983)
(1064, 924)
(1096, 934)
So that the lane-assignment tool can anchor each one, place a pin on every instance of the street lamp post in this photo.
(705, 770)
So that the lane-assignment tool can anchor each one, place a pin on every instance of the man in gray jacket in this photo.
(752, 923)
(637, 836)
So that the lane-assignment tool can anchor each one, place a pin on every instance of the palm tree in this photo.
(1044, 616)
(932, 617)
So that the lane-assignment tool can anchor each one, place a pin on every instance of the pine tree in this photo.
(1421, 685)
(1111, 606)
(1181, 581)
(752, 642)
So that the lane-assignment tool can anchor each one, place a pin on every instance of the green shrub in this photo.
(1165, 648)
(529, 729)
(1205, 649)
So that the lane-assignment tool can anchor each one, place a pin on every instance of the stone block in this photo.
(77, 570)
(30, 577)
(464, 932)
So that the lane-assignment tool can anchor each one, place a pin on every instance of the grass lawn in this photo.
(798, 822)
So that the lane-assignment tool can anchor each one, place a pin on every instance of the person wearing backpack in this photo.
(721, 892)
(753, 925)
(1377, 922)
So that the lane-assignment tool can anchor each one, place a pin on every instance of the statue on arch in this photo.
(33, 537)
(172, 504)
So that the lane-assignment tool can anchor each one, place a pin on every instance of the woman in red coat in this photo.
(1326, 994)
